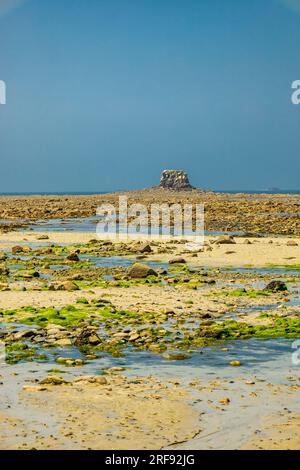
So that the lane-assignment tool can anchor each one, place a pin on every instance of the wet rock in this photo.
(53, 326)
(141, 271)
(29, 274)
(42, 237)
(276, 286)
(57, 333)
(72, 257)
(69, 361)
(235, 363)
(134, 336)
(177, 261)
(114, 369)
(87, 336)
(24, 334)
(63, 342)
(53, 380)
(176, 356)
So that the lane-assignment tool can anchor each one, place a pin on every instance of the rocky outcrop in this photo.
(175, 179)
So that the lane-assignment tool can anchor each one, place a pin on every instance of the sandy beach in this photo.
(122, 409)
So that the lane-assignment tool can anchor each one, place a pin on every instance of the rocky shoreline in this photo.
(246, 213)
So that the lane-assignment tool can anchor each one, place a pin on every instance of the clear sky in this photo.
(104, 94)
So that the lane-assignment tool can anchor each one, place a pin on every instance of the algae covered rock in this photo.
(276, 286)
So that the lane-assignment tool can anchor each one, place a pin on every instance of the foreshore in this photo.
(182, 356)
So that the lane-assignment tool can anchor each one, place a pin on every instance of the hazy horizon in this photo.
(104, 95)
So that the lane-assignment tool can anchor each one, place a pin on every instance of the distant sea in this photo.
(77, 193)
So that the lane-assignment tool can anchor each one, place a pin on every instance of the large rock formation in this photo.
(175, 179)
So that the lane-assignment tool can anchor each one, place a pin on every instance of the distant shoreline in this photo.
(87, 193)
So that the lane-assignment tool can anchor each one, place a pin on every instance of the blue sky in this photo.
(104, 94)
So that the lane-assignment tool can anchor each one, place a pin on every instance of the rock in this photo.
(145, 249)
(225, 401)
(68, 286)
(94, 339)
(276, 286)
(72, 257)
(4, 271)
(225, 240)
(156, 348)
(42, 237)
(4, 286)
(3, 257)
(24, 334)
(98, 379)
(247, 242)
(177, 261)
(53, 326)
(235, 363)
(53, 380)
(175, 179)
(134, 336)
(29, 274)
(33, 388)
(114, 369)
(291, 243)
(175, 356)
(56, 332)
(63, 342)
(86, 336)
(141, 271)
(68, 361)
(17, 249)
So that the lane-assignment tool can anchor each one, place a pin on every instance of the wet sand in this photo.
(151, 411)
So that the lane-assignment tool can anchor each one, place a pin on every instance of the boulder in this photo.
(141, 271)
